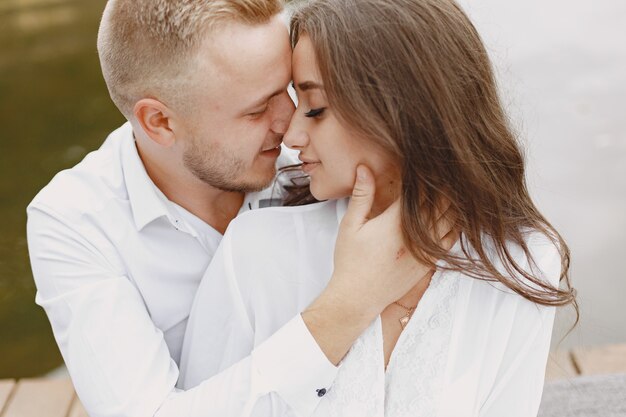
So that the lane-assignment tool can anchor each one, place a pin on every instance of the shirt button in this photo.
(321, 392)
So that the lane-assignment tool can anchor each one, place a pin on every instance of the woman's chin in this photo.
(325, 191)
(319, 195)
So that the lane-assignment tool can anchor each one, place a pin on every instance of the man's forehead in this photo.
(244, 65)
(239, 50)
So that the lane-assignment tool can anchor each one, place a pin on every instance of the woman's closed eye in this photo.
(315, 112)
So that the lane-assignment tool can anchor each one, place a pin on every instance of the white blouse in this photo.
(472, 348)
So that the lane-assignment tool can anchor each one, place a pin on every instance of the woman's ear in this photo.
(155, 119)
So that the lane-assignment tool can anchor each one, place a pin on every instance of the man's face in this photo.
(242, 108)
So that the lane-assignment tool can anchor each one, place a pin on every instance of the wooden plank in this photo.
(77, 409)
(41, 398)
(560, 366)
(6, 388)
(609, 359)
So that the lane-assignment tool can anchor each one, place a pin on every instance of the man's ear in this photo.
(155, 119)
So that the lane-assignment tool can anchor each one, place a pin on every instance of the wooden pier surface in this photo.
(601, 360)
(56, 397)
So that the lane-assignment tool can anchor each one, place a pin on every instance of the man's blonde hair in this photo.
(146, 46)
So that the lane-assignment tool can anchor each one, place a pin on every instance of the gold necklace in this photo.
(409, 312)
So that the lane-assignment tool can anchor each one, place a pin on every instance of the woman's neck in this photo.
(387, 191)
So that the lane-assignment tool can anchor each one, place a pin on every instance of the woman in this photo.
(404, 87)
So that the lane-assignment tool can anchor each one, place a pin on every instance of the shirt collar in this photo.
(146, 203)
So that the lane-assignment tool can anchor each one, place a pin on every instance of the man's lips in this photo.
(272, 152)
(271, 148)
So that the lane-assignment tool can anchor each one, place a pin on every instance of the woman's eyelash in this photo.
(315, 112)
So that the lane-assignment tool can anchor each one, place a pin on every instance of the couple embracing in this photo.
(407, 272)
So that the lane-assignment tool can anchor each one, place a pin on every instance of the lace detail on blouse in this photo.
(417, 365)
(359, 387)
(414, 376)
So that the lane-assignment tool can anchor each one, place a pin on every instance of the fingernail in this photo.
(361, 173)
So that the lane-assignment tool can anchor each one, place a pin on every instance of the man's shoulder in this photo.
(270, 226)
(281, 214)
(273, 244)
(88, 186)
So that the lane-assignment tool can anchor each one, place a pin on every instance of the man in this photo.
(119, 243)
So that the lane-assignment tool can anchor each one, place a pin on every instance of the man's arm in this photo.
(118, 359)
(120, 363)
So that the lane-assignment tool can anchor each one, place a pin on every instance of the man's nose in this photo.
(283, 111)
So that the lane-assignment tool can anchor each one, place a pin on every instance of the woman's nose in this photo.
(296, 136)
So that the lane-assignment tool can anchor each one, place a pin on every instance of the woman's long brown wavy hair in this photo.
(414, 77)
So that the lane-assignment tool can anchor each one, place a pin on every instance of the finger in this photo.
(360, 204)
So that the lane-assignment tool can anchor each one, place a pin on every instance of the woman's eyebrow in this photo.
(307, 85)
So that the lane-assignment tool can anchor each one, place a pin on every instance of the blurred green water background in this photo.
(54, 108)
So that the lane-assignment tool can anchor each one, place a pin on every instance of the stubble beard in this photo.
(221, 170)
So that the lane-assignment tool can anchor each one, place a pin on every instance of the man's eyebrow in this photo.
(266, 98)
(308, 85)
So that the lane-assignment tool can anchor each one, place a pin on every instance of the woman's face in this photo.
(329, 150)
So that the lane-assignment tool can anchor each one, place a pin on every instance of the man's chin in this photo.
(250, 185)
(261, 185)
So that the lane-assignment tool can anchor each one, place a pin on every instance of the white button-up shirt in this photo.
(117, 266)
(472, 348)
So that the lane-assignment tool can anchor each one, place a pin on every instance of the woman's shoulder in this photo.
(497, 306)
(540, 258)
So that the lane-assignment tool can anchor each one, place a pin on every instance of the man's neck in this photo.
(215, 207)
